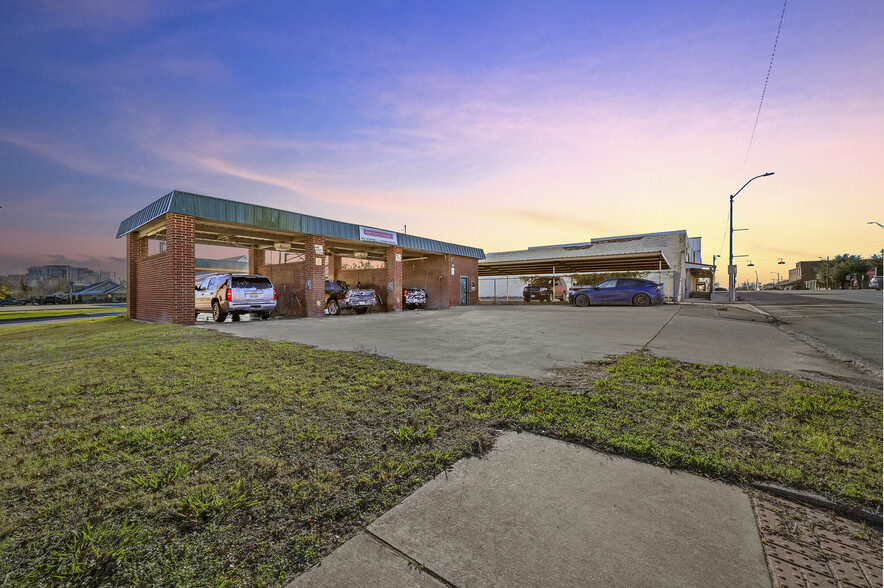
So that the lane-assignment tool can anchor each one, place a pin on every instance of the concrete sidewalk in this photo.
(542, 512)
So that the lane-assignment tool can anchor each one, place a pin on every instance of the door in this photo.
(464, 290)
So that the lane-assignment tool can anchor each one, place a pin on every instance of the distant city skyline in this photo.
(495, 125)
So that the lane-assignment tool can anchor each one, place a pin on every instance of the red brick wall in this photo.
(288, 280)
(160, 287)
(394, 276)
(315, 297)
(136, 252)
(463, 266)
(154, 295)
(179, 247)
(256, 258)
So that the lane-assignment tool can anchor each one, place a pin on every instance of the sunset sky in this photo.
(499, 125)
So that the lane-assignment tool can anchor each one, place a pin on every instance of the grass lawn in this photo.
(47, 313)
(170, 455)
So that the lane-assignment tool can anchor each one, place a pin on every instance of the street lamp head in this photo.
(875, 223)
(767, 174)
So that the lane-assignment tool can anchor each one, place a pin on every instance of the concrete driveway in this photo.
(536, 340)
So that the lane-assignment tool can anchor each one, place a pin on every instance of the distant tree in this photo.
(24, 286)
(4, 291)
(840, 267)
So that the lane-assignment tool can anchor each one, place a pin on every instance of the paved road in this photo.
(539, 341)
(848, 322)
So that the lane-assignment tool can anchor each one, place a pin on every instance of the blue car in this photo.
(619, 291)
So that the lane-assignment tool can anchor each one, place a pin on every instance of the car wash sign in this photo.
(377, 236)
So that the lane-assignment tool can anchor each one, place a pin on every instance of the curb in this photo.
(873, 518)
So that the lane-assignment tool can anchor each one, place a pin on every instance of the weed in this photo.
(204, 503)
(155, 481)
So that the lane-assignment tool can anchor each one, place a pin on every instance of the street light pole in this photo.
(731, 268)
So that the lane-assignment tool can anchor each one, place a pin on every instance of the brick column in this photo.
(181, 267)
(452, 283)
(256, 258)
(314, 270)
(136, 251)
(336, 267)
(394, 276)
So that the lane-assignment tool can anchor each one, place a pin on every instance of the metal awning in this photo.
(626, 262)
(239, 224)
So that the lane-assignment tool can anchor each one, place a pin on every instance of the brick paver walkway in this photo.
(809, 547)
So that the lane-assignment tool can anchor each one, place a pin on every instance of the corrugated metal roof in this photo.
(641, 261)
(219, 209)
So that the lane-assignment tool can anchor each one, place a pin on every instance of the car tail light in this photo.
(405, 293)
(274, 293)
(229, 294)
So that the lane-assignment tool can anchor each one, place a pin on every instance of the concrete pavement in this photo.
(542, 512)
(536, 340)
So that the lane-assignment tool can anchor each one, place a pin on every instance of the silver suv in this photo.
(235, 294)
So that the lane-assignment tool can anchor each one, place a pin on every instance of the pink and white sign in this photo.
(378, 236)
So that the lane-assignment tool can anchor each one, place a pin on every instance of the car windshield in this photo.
(251, 282)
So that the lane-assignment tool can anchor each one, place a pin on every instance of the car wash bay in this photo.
(298, 252)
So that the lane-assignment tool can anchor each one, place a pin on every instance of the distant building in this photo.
(106, 291)
(671, 258)
(85, 275)
(805, 274)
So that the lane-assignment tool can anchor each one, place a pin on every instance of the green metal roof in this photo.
(218, 209)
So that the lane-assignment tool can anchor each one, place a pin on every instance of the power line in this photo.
(766, 79)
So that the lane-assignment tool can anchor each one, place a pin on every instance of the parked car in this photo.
(341, 296)
(12, 302)
(51, 299)
(235, 294)
(633, 291)
(542, 289)
(875, 283)
(414, 298)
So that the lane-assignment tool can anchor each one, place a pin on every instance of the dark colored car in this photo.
(542, 290)
(633, 291)
(12, 302)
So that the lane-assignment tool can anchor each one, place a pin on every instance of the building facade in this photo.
(670, 258)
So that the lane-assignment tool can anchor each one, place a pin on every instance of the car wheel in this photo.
(582, 300)
(361, 310)
(526, 298)
(235, 317)
(641, 299)
(333, 307)
(264, 315)
(196, 315)
(218, 314)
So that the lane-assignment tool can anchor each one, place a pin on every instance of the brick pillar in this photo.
(335, 268)
(314, 270)
(452, 282)
(394, 276)
(136, 251)
(181, 268)
(256, 259)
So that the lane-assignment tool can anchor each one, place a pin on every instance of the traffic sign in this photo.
(871, 273)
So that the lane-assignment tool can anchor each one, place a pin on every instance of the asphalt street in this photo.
(848, 322)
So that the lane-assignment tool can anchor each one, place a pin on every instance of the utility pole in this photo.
(731, 268)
